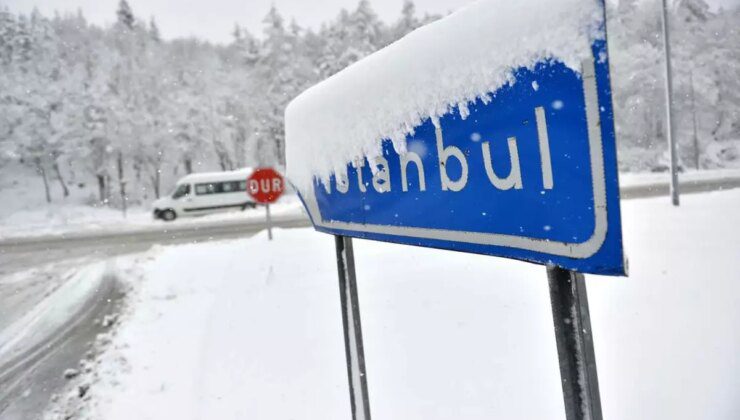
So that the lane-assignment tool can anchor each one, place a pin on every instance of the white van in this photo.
(206, 193)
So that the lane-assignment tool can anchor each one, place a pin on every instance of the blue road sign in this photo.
(530, 175)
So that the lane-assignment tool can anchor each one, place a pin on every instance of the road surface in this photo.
(27, 382)
(23, 253)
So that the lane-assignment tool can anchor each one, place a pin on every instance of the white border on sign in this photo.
(573, 250)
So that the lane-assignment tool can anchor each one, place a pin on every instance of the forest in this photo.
(125, 112)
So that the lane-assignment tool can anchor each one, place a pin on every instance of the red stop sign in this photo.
(265, 185)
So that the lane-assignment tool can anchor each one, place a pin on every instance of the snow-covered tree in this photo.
(154, 30)
(280, 74)
(407, 23)
(125, 14)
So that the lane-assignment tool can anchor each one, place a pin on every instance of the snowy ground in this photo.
(251, 329)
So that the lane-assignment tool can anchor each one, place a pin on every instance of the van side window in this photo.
(220, 187)
(181, 191)
(229, 187)
(203, 189)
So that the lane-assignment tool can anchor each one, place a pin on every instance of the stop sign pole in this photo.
(268, 221)
(265, 186)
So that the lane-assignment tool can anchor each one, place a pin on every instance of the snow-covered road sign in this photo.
(531, 175)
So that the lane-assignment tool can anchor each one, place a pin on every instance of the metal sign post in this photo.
(354, 350)
(268, 220)
(575, 344)
(670, 123)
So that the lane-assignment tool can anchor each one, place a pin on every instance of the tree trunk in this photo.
(280, 158)
(107, 189)
(155, 179)
(224, 160)
(137, 170)
(40, 169)
(63, 184)
(240, 147)
(101, 187)
(717, 125)
(719, 119)
(121, 183)
(188, 165)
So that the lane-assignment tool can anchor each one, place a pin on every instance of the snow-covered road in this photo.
(18, 254)
(39, 342)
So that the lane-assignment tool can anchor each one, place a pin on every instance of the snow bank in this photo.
(252, 329)
(452, 62)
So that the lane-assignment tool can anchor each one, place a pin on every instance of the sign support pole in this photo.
(353, 347)
(670, 123)
(575, 344)
(268, 220)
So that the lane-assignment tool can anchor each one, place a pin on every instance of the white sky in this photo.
(214, 19)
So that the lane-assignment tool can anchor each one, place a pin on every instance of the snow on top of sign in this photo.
(451, 62)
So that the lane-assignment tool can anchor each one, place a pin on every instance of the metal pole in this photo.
(693, 113)
(353, 348)
(268, 220)
(670, 129)
(575, 344)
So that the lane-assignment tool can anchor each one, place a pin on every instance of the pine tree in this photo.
(335, 38)
(8, 32)
(407, 23)
(274, 68)
(125, 15)
(636, 57)
(366, 29)
(154, 30)
(246, 47)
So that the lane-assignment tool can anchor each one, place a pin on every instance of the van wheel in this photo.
(168, 215)
(248, 206)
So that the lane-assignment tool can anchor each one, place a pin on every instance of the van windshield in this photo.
(181, 190)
